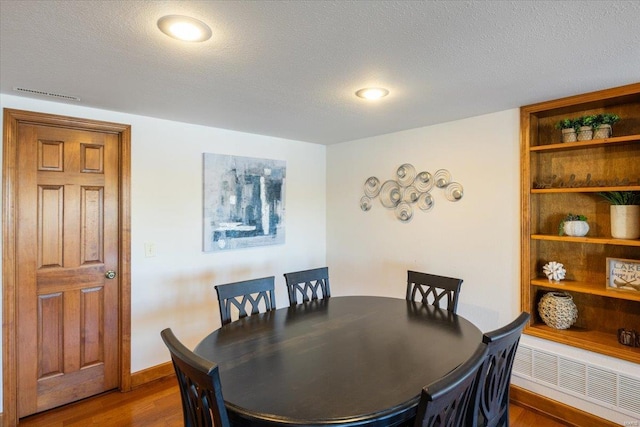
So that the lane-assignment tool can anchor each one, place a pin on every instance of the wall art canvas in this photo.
(244, 204)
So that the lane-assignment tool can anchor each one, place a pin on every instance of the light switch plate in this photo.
(149, 249)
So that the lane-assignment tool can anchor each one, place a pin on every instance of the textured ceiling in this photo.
(290, 68)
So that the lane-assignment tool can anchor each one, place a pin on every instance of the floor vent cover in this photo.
(602, 386)
(44, 93)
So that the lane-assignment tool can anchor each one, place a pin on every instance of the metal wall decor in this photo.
(409, 188)
(372, 187)
(442, 177)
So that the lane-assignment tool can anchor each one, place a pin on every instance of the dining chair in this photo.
(433, 289)
(447, 401)
(492, 398)
(243, 294)
(199, 383)
(310, 284)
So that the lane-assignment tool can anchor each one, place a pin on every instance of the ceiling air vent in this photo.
(43, 93)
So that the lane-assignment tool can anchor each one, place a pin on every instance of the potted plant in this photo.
(569, 128)
(625, 213)
(602, 126)
(573, 225)
(585, 129)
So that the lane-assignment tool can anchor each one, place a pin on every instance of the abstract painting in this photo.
(243, 202)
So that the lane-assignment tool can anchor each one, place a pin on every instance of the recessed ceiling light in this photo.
(184, 28)
(372, 93)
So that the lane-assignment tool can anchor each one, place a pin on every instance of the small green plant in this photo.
(569, 217)
(589, 120)
(606, 119)
(621, 197)
(568, 124)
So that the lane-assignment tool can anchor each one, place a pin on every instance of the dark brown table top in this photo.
(357, 360)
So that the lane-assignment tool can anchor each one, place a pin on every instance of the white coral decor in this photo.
(554, 271)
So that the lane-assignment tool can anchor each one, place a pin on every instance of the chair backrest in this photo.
(243, 294)
(446, 402)
(495, 374)
(310, 284)
(433, 289)
(200, 388)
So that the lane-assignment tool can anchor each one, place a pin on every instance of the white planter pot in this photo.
(569, 135)
(585, 133)
(575, 228)
(603, 132)
(625, 221)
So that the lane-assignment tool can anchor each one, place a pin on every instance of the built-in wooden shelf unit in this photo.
(601, 311)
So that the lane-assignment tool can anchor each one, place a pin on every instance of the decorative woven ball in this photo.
(558, 310)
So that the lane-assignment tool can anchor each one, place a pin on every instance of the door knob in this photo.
(110, 274)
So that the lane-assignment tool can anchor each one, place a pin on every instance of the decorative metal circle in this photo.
(426, 201)
(442, 177)
(405, 174)
(390, 194)
(372, 187)
(454, 192)
(404, 212)
(365, 203)
(424, 182)
(410, 194)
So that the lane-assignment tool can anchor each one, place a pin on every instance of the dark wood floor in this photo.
(158, 404)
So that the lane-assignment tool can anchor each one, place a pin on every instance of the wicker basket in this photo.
(558, 310)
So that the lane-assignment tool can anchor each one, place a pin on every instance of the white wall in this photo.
(476, 238)
(175, 288)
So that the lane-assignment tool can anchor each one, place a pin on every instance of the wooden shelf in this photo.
(591, 240)
(584, 189)
(587, 288)
(587, 339)
(586, 144)
(545, 161)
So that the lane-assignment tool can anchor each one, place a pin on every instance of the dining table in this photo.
(338, 361)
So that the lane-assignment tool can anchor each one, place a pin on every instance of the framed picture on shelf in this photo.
(623, 274)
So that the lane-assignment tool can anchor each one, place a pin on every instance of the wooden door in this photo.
(66, 241)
